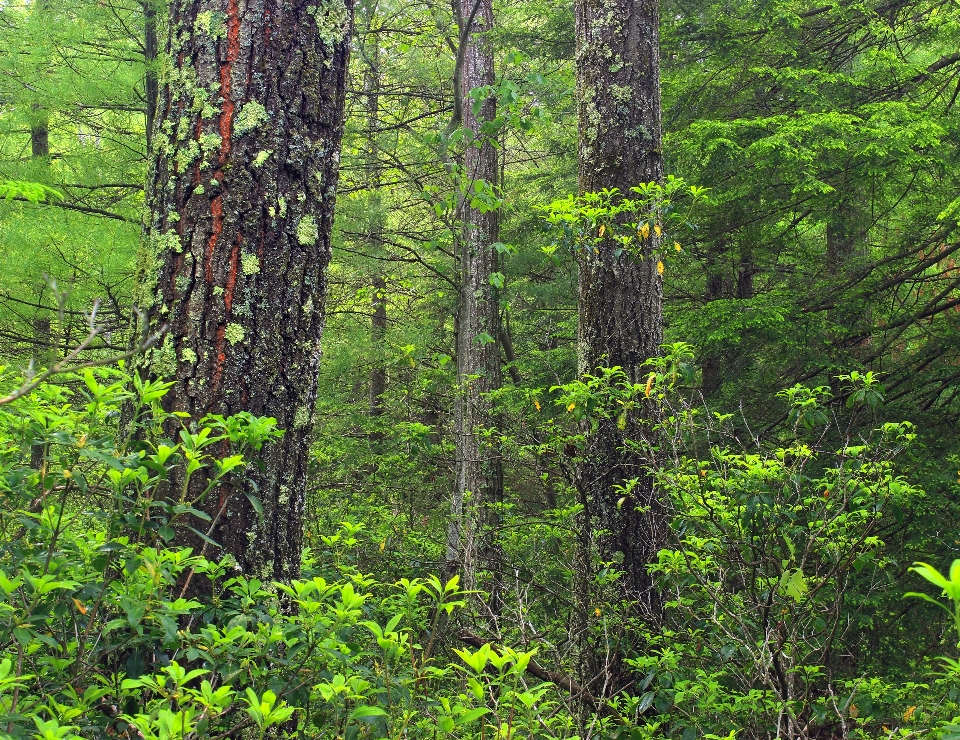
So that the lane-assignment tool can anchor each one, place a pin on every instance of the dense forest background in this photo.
(801, 423)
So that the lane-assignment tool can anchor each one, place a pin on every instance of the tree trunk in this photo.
(621, 320)
(151, 83)
(244, 174)
(375, 226)
(471, 545)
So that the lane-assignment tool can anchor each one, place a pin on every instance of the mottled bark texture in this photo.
(246, 155)
(621, 322)
(471, 546)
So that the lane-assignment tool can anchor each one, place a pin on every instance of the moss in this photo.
(251, 115)
(234, 333)
(250, 264)
(163, 359)
(307, 232)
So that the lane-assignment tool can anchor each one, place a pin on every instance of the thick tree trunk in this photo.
(621, 317)
(246, 155)
(471, 543)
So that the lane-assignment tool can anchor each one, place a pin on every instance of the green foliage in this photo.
(100, 634)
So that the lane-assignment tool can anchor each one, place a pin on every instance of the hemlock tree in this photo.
(244, 176)
(479, 471)
(621, 312)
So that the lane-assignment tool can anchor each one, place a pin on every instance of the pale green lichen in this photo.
(210, 142)
(333, 20)
(301, 418)
(250, 264)
(308, 306)
(262, 157)
(307, 232)
(212, 24)
(234, 333)
(251, 115)
(188, 355)
(282, 202)
(217, 290)
(167, 240)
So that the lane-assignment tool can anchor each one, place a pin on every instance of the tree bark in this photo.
(471, 545)
(243, 180)
(621, 322)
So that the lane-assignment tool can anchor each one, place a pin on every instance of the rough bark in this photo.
(621, 319)
(244, 174)
(479, 473)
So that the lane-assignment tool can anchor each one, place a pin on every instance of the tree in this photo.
(478, 485)
(244, 177)
(621, 312)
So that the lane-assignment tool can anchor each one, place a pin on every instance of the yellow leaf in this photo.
(537, 404)
(649, 387)
(67, 473)
(80, 607)
(383, 545)
(597, 611)
(909, 713)
(571, 407)
(644, 231)
(660, 268)
(676, 245)
(657, 230)
(603, 228)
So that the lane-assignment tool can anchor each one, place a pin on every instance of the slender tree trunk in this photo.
(621, 322)
(244, 175)
(151, 83)
(375, 216)
(471, 545)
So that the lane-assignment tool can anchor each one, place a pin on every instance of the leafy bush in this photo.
(99, 639)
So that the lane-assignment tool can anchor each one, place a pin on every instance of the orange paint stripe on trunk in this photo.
(232, 275)
(216, 208)
(221, 358)
(226, 79)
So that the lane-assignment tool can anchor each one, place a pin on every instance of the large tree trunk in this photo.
(246, 155)
(471, 543)
(621, 318)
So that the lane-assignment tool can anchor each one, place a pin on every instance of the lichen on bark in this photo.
(240, 237)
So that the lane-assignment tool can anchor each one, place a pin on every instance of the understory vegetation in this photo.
(783, 566)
